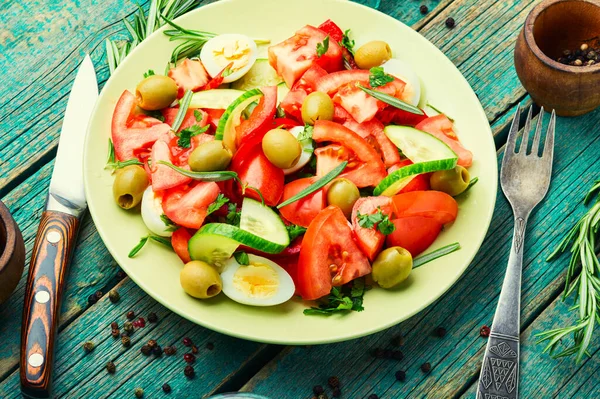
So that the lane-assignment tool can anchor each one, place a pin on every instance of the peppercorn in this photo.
(318, 389)
(140, 322)
(322, 396)
(126, 341)
(166, 388)
(88, 346)
(110, 367)
(397, 355)
(114, 296)
(484, 331)
(373, 396)
(115, 333)
(450, 23)
(170, 350)
(194, 349)
(567, 53)
(333, 382)
(139, 393)
(189, 371)
(146, 350)
(187, 341)
(584, 47)
(98, 294)
(121, 274)
(426, 367)
(114, 325)
(592, 55)
(92, 299)
(152, 343)
(189, 358)
(128, 327)
(398, 340)
(210, 346)
(336, 392)
(590, 62)
(152, 317)
(578, 62)
(440, 332)
(424, 10)
(157, 351)
(131, 315)
(401, 375)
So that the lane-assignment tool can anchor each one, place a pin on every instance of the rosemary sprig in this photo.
(582, 242)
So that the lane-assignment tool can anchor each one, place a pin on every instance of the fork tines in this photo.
(513, 135)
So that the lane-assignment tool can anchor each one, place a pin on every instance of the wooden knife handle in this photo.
(52, 251)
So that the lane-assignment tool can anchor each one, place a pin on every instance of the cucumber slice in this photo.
(232, 118)
(263, 222)
(418, 146)
(236, 234)
(213, 249)
(398, 179)
(282, 91)
(260, 75)
(216, 98)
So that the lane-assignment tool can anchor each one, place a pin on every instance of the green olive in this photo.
(343, 194)
(129, 185)
(317, 105)
(392, 266)
(372, 54)
(452, 182)
(156, 92)
(209, 157)
(200, 280)
(281, 148)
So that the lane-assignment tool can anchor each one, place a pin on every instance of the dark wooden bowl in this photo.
(550, 28)
(12, 253)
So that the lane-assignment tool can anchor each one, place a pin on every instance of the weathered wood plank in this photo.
(468, 305)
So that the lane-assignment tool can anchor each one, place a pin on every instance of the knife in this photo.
(55, 239)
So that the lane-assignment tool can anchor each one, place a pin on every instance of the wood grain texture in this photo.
(51, 255)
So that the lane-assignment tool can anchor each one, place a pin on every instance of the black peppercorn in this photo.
(187, 341)
(114, 325)
(397, 355)
(426, 367)
(166, 388)
(157, 351)
(152, 343)
(189, 371)
(210, 346)
(591, 55)
(121, 274)
(401, 375)
(115, 333)
(98, 294)
(110, 367)
(114, 296)
(146, 350)
(170, 350)
(126, 341)
(318, 389)
(139, 393)
(128, 327)
(440, 332)
(189, 358)
(336, 392)
(131, 315)
(450, 23)
(333, 382)
(88, 346)
(152, 317)
(92, 299)
(424, 10)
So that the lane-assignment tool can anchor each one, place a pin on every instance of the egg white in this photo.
(403, 71)
(151, 212)
(284, 292)
(213, 68)
(307, 151)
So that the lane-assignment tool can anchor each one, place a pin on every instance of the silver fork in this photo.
(525, 179)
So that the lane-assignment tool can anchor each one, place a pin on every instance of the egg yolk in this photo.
(237, 51)
(256, 280)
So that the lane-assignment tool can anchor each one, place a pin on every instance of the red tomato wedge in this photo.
(187, 206)
(392, 115)
(308, 81)
(214, 115)
(254, 128)
(441, 127)
(364, 164)
(189, 119)
(130, 141)
(303, 211)
(179, 241)
(414, 233)
(373, 132)
(294, 56)
(417, 183)
(431, 204)
(370, 240)
(328, 251)
(292, 103)
(189, 75)
(163, 177)
(256, 172)
(334, 31)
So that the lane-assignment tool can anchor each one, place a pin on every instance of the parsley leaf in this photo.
(219, 202)
(171, 226)
(149, 73)
(242, 258)
(349, 297)
(377, 220)
(233, 215)
(346, 42)
(323, 47)
(307, 133)
(378, 77)
(185, 136)
(295, 231)
(199, 115)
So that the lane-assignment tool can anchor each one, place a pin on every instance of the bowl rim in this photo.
(10, 246)
(532, 44)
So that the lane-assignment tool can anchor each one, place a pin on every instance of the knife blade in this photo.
(55, 239)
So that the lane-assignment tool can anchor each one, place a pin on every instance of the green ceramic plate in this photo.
(156, 270)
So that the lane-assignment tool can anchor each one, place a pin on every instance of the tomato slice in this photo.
(180, 155)
(328, 254)
(334, 31)
(189, 119)
(364, 164)
(292, 103)
(187, 206)
(414, 233)
(417, 183)
(442, 128)
(179, 241)
(431, 204)
(214, 115)
(189, 75)
(163, 177)
(370, 240)
(303, 211)
(392, 115)
(254, 128)
(255, 171)
(294, 56)
(308, 81)
(128, 139)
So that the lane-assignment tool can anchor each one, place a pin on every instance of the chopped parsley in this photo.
(323, 47)
(199, 115)
(242, 258)
(346, 298)
(149, 73)
(219, 202)
(378, 77)
(347, 43)
(233, 215)
(377, 220)
(307, 133)
(185, 136)
(295, 231)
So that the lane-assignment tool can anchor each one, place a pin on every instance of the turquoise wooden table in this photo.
(42, 43)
